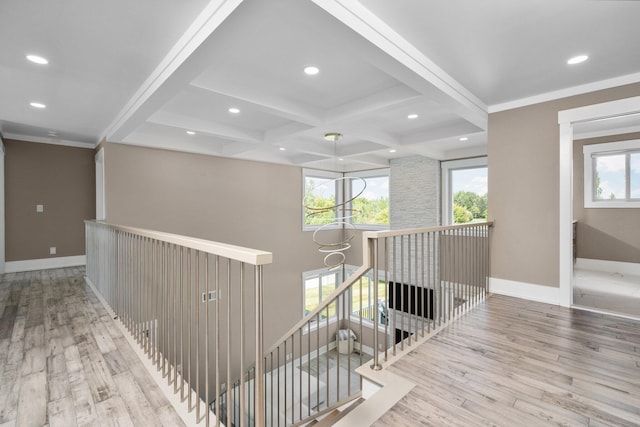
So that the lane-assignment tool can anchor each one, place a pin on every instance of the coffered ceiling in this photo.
(395, 78)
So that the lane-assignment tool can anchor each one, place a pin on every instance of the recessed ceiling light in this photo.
(234, 110)
(412, 116)
(37, 105)
(283, 149)
(340, 158)
(190, 132)
(577, 59)
(464, 138)
(37, 59)
(392, 151)
(311, 71)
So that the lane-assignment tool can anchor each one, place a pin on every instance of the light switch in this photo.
(39, 208)
(52, 250)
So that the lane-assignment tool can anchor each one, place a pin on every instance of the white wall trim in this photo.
(529, 291)
(51, 141)
(44, 263)
(628, 268)
(565, 93)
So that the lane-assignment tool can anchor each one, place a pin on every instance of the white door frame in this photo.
(566, 120)
(2, 253)
(101, 206)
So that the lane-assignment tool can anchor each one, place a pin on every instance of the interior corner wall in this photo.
(524, 160)
(60, 178)
(245, 203)
(603, 233)
(414, 192)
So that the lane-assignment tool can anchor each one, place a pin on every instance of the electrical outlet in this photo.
(52, 250)
(288, 356)
(212, 296)
(39, 208)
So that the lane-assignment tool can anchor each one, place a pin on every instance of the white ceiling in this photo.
(145, 72)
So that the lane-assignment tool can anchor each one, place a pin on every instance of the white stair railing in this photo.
(185, 301)
(412, 282)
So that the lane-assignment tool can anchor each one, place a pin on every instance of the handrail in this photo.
(323, 305)
(239, 253)
(165, 289)
(403, 231)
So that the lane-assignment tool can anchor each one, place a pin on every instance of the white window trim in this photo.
(374, 173)
(447, 167)
(589, 178)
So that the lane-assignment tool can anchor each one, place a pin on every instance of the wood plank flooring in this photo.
(63, 361)
(512, 362)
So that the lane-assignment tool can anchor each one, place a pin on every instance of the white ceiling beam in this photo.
(232, 149)
(205, 126)
(378, 102)
(360, 19)
(285, 132)
(358, 147)
(131, 116)
(377, 136)
(450, 130)
(370, 159)
(270, 103)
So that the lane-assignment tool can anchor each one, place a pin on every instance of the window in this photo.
(612, 175)
(324, 190)
(320, 193)
(464, 191)
(371, 207)
(318, 285)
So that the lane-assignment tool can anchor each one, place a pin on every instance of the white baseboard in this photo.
(530, 291)
(626, 268)
(44, 263)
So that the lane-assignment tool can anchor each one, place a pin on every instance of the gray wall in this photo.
(414, 189)
(523, 149)
(604, 234)
(252, 204)
(60, 178)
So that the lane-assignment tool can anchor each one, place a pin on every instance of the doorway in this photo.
(602, 119)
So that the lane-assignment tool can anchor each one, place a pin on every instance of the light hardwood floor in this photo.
(63, 362)
(608, 292)
(512, 362)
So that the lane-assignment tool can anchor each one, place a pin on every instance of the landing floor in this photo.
(511, 362)
(63, 362)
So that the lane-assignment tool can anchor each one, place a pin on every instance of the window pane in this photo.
(319, 200)
(311, 294)
(609, 177)
(372, 206)
(328, 286)
(634, 175)
(469, 195)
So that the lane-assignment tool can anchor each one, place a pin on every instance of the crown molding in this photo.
(52, 141)
(566, 92)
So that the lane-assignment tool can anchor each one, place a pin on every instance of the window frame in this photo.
(447, 168)
(590, 154)
(373, 173)
(322, 174)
